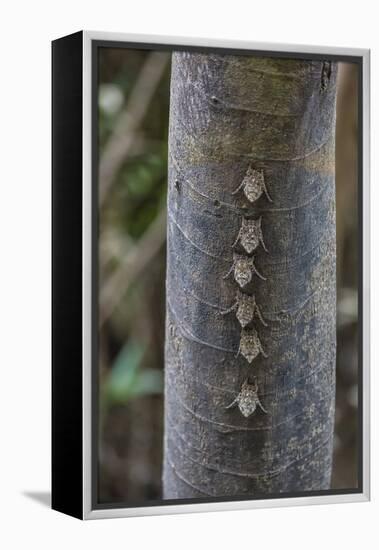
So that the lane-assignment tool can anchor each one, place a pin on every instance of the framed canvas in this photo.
(210, 275)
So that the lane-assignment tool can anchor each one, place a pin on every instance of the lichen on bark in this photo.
(229, 113)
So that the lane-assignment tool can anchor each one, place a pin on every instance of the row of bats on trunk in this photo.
(249, 237)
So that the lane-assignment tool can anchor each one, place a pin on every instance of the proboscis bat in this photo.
(246, 308)
(250, 235)
(250, 345)
(244, 269)
(247, 399)
(253, 185)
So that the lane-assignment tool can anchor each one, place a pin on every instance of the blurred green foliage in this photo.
(131, 338)
(140, 193)
(127, 379)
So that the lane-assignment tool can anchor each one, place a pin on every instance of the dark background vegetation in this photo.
(133, 134)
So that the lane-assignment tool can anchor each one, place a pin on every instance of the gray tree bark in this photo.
(233, 117)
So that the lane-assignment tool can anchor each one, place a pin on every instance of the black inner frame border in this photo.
(95, 46)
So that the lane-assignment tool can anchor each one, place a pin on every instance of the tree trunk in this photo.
(237, 120)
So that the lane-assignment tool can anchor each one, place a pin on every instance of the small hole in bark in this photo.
(216, 203)
(326, 72)
(177, 184)
(214, 100)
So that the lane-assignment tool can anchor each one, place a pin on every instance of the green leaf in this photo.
(123, 373)
(127, 379)
(148, 382)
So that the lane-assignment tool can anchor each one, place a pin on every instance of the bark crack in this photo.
(231, 428)
(216, 101)
(242, 209)
(184, 480)
(260, 475)
(186, 333)
(262, 159)
(172, 219)
(269, 314)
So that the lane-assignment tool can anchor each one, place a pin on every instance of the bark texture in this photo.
(229, 113)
